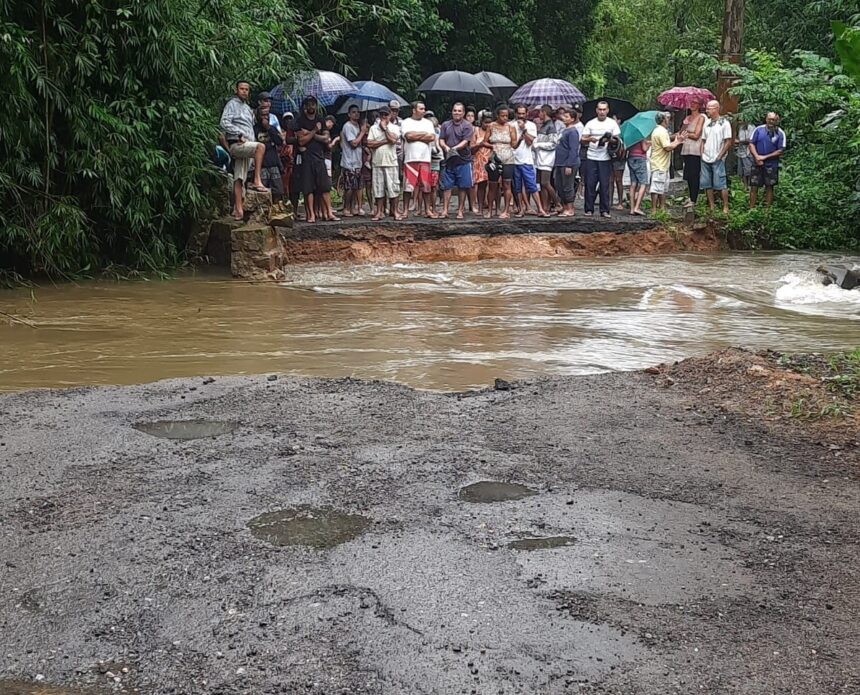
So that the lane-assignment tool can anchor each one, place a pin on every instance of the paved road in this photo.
(704, 556)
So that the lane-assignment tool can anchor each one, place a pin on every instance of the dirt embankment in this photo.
(387, 246)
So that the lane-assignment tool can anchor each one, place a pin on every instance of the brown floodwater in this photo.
(433, 326)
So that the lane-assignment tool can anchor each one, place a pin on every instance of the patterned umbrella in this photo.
(370, 95)
(680, 97)
(325, 86)
(547, 91)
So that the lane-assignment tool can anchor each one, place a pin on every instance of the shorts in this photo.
(508, 171)
(351, 179)
(638, 170)
(524, 175)
(366, 175)
(242, 154)
(457, 176)
(659, 182)
(764, 176)
(386, 182)
(417, 175)
(315, 178)
(545, 178)
(271, 178)
(619, 164)
(434, 178)
(745, 166)
(713, 176)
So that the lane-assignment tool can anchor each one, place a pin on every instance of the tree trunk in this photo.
(731, 51)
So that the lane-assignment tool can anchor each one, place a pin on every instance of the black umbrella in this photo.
(455, 83)
(499, 85)
(617, 107)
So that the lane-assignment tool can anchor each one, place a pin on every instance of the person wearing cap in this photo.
(288, 157)
(237, 124)
(382, 141)
(419, 137)
(264, 99)
(316, 182)
(267, 134)
(351, 140)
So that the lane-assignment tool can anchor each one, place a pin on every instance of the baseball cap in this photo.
(264, 95)
(394, 105)
(384, 110)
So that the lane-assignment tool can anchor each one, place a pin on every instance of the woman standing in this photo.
(504, 139)
(481, 153)
(691, 150)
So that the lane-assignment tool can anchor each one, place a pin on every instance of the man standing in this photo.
(661, 146)
(270, 137)
(598, 133)
(382, 141)
(716, 142)
(567, 161)
(237, 124)
(316, 182)
(455, 139)
(767, 145)
(525, 177)
(419, 137)
(544, 148)
(351, 138)
(742, 151)
(264, 100)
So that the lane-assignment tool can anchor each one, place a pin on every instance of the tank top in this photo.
(500, 139)
(692, 146)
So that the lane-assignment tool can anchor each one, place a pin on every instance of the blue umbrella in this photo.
(324, 85)
(638, 128)
(370, 95)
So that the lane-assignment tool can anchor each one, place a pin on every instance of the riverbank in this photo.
(662, 538)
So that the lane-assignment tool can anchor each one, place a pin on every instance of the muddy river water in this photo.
(433, 326)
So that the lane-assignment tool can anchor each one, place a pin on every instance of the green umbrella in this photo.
(638, 127)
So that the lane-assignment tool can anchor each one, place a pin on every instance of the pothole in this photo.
(34, 688)
(316, 527)
(542, 543)
(186, 429)
(494, 491)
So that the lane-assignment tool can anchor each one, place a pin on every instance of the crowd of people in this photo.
(507, 162)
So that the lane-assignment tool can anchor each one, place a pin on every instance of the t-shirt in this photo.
(350, 157)
(660, 156)
(523, 154)
(385, 155)
(271, 138)
(453, 134)
(745, 134)
(713, 135)
(766, 142)
(597, 128)
(567, 152)
(314, 149)
(638, 150)
(417, 151)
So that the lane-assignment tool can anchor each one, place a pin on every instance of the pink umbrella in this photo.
(680, 97)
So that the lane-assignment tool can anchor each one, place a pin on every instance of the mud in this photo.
(542, 543)
(711, 554)
(309, 526)
(186, 429)
(492, 491)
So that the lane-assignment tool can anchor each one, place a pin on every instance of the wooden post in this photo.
(731, 51)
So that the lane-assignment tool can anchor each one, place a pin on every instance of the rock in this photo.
(272, 377)
(652, 370)
(208, 380)
(257, 253)
(846, 278)
(258, 206)
(502, 385)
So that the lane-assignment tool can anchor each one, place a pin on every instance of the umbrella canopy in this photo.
(324, 85)
(638, 127)
(454, 82)
(499, 85)
(547, 91)
(680, 97)
(371, 95)
(617, 107)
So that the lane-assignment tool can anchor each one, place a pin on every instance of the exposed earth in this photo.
(662, 536)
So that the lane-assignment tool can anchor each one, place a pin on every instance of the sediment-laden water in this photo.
(434, 326)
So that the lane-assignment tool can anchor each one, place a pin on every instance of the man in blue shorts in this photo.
(525, 177)
(767, 145)
(716, 142)
(455, 139)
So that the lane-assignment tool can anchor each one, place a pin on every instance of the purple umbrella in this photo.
(547, 91)
(681, 97)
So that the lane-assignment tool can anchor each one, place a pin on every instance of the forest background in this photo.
(110, 108)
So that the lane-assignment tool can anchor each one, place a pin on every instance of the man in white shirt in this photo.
(716, 142)
(525, 179)
(382, 141)
(598, 133)
(742, 151)
(418, 137)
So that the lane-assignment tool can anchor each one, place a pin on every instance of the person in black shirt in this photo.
(313, 136)
(271, 171)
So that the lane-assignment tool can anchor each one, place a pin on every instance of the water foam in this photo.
(805, 288)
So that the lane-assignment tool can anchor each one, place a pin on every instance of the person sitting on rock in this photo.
(237, 124)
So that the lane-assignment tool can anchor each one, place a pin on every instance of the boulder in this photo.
(846, 278)
(258, 206)
(257, 252)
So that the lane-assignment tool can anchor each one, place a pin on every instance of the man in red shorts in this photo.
(419, 136)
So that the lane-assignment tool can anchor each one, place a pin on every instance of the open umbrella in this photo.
(370, 95)
(455, 83)
(547, 91)
(638, 127)
(324, 85)
(617, 107)
(499, 85)
(680, 97)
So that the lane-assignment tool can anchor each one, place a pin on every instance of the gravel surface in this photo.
(699, 552)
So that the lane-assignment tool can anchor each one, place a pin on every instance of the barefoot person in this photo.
(525, 176)
(482, 150)
(351, 140)
(716, 142)
(237, 124)
(316, 182)
(567, 162)
(382, 141)
(455, 138)
(419, 136)
(637, 163)
(502, 135)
